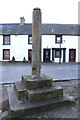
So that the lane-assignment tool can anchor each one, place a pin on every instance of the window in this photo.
(30, 39)
(57, 53)
(6, 54)
(58, 39)
(6, 40)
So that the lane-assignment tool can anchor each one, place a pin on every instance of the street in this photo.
(13, 72)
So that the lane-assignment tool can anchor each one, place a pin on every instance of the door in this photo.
(46, 57)
(6, 54)
(30, 55)
(64, 53)
(72, 53)
(52, 54)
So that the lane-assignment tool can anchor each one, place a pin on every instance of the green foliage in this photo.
(23, 98)
(24, 58)
(44, 116)
(54, 118)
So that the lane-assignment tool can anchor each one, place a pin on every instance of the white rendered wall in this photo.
(71, 42)
(19, 47)
(79, 49)
(1, 43)
(47, 43)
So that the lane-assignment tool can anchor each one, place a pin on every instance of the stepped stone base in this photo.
(41, 95)
(37, 94)
(20, 109)
(37, 89)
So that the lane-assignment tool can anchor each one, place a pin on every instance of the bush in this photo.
(24, 59)
(13, 58)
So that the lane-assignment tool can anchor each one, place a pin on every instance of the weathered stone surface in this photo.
(36, 43)
(44, 94)
(35, 83)
(13, 99)
(4, 102)
(20, 109)
(20, 90)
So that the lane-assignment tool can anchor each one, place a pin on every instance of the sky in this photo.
(53, 11)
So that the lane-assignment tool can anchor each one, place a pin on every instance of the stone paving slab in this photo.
(4, 102)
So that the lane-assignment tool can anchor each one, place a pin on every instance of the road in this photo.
(13, 72)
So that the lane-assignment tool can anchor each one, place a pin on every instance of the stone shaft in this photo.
(36, 42)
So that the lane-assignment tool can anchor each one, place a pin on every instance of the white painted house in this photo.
(59, 42)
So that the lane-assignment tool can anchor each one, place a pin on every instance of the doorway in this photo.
(72, 55)
(30, 55)
(46, 55)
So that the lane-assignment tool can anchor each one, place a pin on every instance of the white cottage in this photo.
(59, 42)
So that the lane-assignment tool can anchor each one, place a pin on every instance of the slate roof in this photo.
(47, 29)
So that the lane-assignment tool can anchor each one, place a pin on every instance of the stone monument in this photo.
(38, 90)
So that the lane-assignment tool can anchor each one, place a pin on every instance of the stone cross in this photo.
(36, 43)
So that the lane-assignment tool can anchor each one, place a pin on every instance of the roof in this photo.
(47, 29)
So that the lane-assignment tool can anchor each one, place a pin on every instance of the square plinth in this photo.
(31, 82)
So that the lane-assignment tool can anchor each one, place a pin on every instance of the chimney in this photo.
(22, 21)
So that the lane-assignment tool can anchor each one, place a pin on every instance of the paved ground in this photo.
(13, 72)
(70, 88)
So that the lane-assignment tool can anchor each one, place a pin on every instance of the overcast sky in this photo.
(53, 11)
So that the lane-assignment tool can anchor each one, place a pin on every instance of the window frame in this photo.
(56, 37)
(4, 54)
(5, 40)
(29, 39)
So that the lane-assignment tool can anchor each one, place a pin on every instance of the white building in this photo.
(59, 42)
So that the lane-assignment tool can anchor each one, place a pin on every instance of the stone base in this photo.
(40, 93)
(37, 94)
(37, 89)
(31, 82)
(20, 109)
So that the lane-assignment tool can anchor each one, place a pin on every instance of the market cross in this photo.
(37, 90)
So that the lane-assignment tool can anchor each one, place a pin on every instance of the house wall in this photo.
(19, 46)
(1, 43)
(68, 42)
(79, 48)
(71, 42)
(47, 43)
